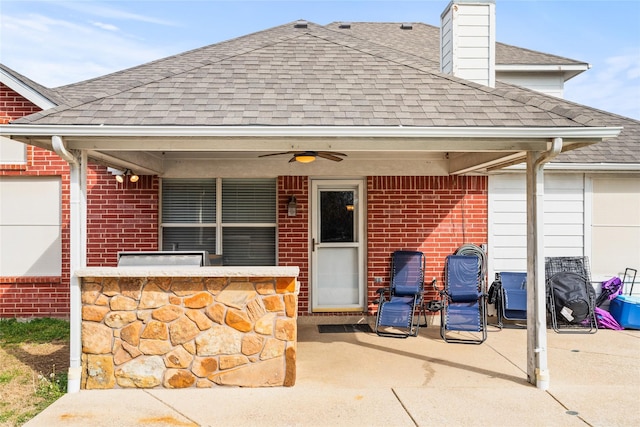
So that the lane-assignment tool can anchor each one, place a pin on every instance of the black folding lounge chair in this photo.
(571, 299)
(463, 301)
(401, 303)
(510, 293)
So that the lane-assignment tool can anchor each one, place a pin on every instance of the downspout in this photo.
(537, 368)
(78, 257)
(547, 156)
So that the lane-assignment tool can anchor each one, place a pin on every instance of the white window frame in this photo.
(219, 225)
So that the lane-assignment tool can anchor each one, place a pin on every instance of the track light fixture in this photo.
(127, 172)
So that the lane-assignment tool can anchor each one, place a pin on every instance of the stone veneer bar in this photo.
(179, 327)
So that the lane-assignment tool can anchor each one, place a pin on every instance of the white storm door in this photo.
(337, 246)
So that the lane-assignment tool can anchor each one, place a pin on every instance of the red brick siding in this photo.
(293, 232)
(435, 215)
(120, 217)
(13, 105)
(35, 296)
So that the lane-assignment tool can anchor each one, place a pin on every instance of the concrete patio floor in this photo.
(360, 379)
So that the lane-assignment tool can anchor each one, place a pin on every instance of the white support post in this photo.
(537, 370)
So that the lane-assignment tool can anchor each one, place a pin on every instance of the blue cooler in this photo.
(626, 310)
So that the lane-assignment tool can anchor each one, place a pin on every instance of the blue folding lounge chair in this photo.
(400, 304)
(511, 298)
(463, 305)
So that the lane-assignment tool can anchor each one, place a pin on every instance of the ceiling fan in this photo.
(309, 156)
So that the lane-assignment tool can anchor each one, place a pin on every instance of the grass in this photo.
(45, 330)
(29, 379)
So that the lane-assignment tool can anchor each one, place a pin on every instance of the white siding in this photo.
(446, 43)
(548, 83)
(30, 226)
(615, 227)
(563, 219)
(468, 42)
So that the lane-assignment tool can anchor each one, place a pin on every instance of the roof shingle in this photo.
(368, 75)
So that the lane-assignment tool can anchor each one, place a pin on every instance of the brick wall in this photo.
(120, 217)
(35, 296)
(293, 232)
(435, 215)
(13, 105)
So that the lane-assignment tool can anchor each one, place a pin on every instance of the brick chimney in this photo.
(468, 40)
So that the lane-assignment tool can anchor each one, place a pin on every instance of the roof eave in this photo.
(25, 90)
(584, 167)
(27, 130)
(569, 71)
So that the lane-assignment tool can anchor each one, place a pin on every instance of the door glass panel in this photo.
(338, 274)
(336, 217)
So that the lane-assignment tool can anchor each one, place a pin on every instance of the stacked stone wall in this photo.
(179, 332)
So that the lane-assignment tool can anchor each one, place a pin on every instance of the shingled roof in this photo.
(307, 75)
(50, 94)
(424, 40)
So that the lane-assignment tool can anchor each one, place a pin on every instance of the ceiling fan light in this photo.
(304, 158)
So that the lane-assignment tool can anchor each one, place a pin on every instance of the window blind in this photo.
(249, 246)
(189, 201)
(248, 201)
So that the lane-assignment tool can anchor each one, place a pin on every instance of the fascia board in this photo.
(26, 91)
(311, 131)
(594, 167)
(542, 68)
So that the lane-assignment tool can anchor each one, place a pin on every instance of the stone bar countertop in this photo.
(182, 271)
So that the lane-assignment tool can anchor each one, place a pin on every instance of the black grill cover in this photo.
(572, 296)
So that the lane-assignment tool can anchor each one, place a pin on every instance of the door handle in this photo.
(313, 244)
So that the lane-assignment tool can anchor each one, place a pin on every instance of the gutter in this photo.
(61, 150)
(309, 131)
(547, 156)
(584, 167)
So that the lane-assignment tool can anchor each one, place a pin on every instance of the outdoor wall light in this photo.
(127, 172)
(292, 206)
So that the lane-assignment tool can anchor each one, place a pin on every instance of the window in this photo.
(232, 217)
(30, 226)
(12, 152)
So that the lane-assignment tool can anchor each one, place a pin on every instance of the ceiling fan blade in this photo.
(330, 156)
(280, 154)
